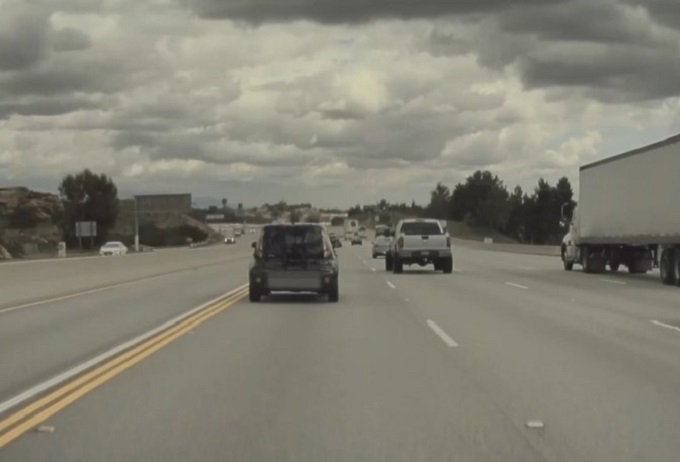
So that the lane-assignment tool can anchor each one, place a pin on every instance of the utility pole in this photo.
(134, 199)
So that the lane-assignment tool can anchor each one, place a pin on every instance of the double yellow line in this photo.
(37, 412)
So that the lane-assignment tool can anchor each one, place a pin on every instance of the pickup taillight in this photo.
(448, 241)
(327, 254)
(400, 242)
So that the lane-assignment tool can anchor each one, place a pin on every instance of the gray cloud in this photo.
(610, 73)
(350, 11)
(422, 91)
(664, 11)
(46, 107)
(70, 39)
(23, 36)
(602, 49)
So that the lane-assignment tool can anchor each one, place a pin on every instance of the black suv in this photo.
(293, 258)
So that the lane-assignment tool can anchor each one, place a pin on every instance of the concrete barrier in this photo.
(545, 250)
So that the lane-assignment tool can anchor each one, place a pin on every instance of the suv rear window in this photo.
(421, 228)
(301, 241)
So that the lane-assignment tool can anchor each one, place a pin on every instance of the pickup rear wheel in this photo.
(397, 265)
(447, 265)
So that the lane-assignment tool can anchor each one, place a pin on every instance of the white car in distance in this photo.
(113, 248)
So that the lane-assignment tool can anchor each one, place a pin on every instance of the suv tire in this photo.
(253, 295)
(334, 294)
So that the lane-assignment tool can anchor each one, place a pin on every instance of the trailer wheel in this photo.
(568, 265)
(614, 266)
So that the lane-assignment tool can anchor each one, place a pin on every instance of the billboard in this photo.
(86, 228)
(150, 203)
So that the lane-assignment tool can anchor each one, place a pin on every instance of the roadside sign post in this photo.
(86, 229)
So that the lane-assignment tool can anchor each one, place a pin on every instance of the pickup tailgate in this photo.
(425, 242)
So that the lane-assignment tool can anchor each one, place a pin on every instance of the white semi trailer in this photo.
(628, 213)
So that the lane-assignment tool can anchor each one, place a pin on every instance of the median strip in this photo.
(103, 368)
(110, 287)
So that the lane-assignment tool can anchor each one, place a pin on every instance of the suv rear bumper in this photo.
(287, 280)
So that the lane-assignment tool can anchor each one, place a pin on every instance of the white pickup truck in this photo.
(419, 241)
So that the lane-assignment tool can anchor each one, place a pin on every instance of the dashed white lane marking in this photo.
(536, 424)
(373, 269)
(440, 332)
(392, 286)
(512, 284)
(611, 281)
(665, 326)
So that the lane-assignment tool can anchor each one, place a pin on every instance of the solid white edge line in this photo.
(611, 281)
(664, 325)
(66, 375)
(512, 284)
(392, 286)
(440, 332)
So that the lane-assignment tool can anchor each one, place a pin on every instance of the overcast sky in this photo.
(328, 101)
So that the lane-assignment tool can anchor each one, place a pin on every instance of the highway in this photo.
(509, 358)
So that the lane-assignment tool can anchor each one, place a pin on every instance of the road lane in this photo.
(416, 366)
(35, 281)
(293, 379)
(40, 341)
(577, 353)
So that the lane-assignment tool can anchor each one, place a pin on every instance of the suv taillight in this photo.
(400, 242)
(448, 241)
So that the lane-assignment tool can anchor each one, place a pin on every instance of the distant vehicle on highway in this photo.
(335, 240)
(356, 239)
(351, 226)
(113, 248)
(230, 240)
(419, 241)
(382, 230)
(293, 258)
(628, 214)
(381, 245)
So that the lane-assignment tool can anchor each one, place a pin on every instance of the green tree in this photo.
(88, 196)
(482, 201)
(440, 198)
(313, 218)
(295, 216)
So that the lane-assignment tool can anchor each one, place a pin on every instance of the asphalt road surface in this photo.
(507, 359)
